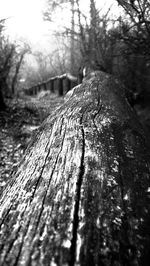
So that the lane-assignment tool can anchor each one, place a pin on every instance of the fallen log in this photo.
(81, 195)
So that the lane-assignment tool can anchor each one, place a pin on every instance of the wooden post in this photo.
(30, 91)
(34, 90)
(52, 85)
(68, 84)
(38, 88)
(81, 196)
(60, 87)
(44, 86)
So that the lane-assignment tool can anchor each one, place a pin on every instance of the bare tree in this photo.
(6, 57)
(134, 37)
(18, 61)
(72, 35)
(137, 27)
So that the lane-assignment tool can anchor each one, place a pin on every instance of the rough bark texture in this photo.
(81, 196)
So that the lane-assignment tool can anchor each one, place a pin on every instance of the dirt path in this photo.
(17, 125)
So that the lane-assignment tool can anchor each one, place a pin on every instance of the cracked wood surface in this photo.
(81, 195)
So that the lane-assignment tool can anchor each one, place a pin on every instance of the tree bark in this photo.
(72, 48)
(81, 196)
(2, 102)
(17, 69)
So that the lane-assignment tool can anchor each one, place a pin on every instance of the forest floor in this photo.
(17, 124)
(21, 118)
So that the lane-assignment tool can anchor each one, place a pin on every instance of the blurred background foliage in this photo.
(93, 37)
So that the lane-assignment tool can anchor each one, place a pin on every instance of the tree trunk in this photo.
(2, 103)
(72, 48)
(81, 196)
(93, 35)
(18, 65)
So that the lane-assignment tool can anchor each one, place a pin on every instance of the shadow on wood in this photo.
(81, 196)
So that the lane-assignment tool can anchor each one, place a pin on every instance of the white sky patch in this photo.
(25, 19)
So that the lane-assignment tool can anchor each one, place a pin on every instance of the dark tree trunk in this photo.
(81, 196)
(2, 103)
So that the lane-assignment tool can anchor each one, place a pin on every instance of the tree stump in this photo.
(81, 195)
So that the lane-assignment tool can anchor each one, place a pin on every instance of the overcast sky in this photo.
(25, 19)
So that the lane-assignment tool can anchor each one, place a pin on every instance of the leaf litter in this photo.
(17, 124)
